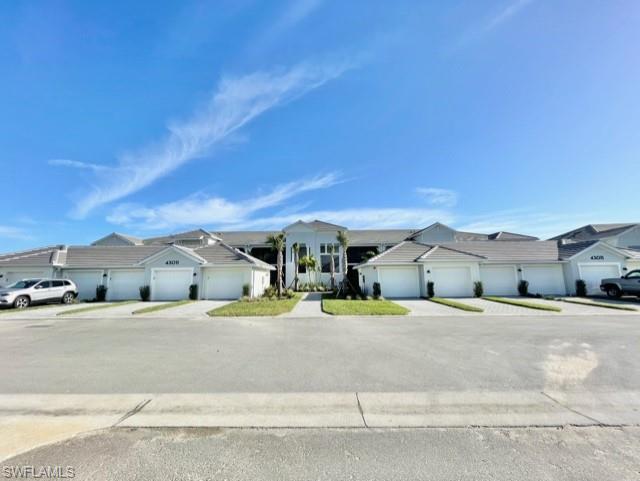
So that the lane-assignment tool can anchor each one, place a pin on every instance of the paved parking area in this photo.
(500, 309)
(422, 307)
(123, 310)
(40, 312)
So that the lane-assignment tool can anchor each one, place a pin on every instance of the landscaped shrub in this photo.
(348, 297)
(478, 290)
(145, 293)
(193, 292)
(101, 293)
(581, 288)
(377, 290)
(270, 291)
(246, 290)
(430, 291)
(523, 288)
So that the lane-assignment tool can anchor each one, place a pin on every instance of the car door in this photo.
(57, 290)
(41, 291)
(631, 282)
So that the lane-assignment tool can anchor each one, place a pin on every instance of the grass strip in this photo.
(600, 304)
(160, 307)
(256, 307)
(527, 304)
(455, 304)
(356, 307)
(94, 308)
(9, 310)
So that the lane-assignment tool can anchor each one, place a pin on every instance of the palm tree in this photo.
(311, 263)
(277, 243)
(332, 266)
(369, 255)
(296, 262)
(344, 243)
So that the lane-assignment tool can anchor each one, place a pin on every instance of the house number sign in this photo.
(172, 263)
(597, 258)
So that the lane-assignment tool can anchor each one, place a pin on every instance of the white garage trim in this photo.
(506, 286)
(451, 281)
(225, 282)
(16, 274)
(178, 295)
(124, 284)
(86, 280)
(594, 287)
(548, 279)
(399, 281)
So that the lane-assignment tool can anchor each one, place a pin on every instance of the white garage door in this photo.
(224, 283)
(87, 282)
(452, 281)
(399, 281)
(170, 284)
(593, 274)
(499, 280)
(544, 279)
(125, 284)
(17, 275)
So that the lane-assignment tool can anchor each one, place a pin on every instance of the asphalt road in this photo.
(579, 454)
(598, 353)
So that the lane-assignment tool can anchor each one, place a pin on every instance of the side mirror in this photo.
(38, 287)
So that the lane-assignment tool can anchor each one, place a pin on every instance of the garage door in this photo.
(171, 284)
(499, 280)
(592, 275)
(544, 279)
(125, 284)
(87, 282)
(224, 283)
(399, 281)
(452, 281)
(17, 275)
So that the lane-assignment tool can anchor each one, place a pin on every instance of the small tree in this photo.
(343, 240)
(377, 290)
(332, 266)
(295, 248)
(369, 255)
(145, 293)
(277, 243)
(478, 289)
(581, 288)
(311, 264)
(101, 293)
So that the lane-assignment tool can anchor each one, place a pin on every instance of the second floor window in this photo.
(301, 253)
(325, 257)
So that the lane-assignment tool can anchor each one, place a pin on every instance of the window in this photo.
(325, 257)
(57, 283)
(66, 283)
(301, 253)
(44, 285)
(633, 275)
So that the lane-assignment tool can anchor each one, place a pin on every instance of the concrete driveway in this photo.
(193, 310)
(40, 311)
(422, 307)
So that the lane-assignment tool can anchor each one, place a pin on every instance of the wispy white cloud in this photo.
(235, 102)
(14, 233)
(78, 165)
(203, 210)
(506, 13)
(438, 197)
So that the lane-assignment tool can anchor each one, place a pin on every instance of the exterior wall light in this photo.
(428, 271)
(519, 269)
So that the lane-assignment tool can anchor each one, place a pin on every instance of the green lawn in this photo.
(600, 304)
(372, 307)
(527, 304)
(160, 307)
(94, 308)
(456, 304)
(256, 307)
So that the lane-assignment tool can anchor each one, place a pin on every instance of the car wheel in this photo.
(68, 298)
(22, 302)
(613, 291)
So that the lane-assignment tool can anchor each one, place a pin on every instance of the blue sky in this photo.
(153, 117)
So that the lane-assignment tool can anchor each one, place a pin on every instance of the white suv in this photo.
(33, 291)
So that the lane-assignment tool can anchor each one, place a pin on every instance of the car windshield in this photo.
(25, 284)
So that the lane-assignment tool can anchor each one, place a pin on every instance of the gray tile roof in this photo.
(442, 253)
(365, 237)
(570, 249)
(108, 256)
(405, 252)
(223, 254)
(510, 236)
(127, 238)
(244, 238)
(318, 225)
(595, 231)
(43, 256)
(168, 239)
(526, 251)
(632, 253)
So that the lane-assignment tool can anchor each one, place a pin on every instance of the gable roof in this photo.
(510, 236)
(172, 247)
(316, 225)
(365, 237)
(223, 254)
(191, 234)
(127, 239)
(596, 231)
(108, 256)
(245, 238)
(42, 256)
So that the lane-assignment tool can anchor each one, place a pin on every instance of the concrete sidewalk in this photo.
(27, 421)
(309, 306)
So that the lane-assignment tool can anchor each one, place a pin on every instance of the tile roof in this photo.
(318, 225)
(43, 256)
(167, 239)
(108, 256)
(364, 237)
(595, 231)
(244, 238)
(128, 238)
(223, 254)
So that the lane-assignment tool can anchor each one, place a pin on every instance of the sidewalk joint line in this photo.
(364, 421)
(575, 411)
(139, 407)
